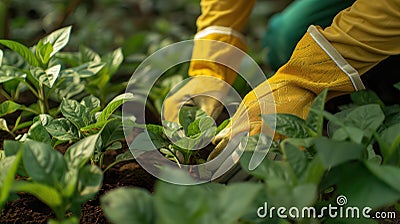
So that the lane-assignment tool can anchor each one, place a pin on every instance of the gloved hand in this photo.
(293, 88)
(218, 27)
(200, 91)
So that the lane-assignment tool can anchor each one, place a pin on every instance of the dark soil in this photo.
(28, 209)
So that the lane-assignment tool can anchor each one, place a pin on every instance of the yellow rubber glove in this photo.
(294, 86)
(332, 58)
(220, 21)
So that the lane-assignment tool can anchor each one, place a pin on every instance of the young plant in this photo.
(179, 142)
(63, 183)
(82, 119)
(99, 85)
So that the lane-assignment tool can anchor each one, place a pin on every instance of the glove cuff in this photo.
(351, 72)
(214, 48)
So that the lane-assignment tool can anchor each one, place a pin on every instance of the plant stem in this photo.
(5, 94)
(31, 88)
(41, 99)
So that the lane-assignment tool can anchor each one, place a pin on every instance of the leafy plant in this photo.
(83, 119)
(63, 183)
(178, 142)
(38, 70)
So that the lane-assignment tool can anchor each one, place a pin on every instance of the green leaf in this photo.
(8, 73)
(38, 133)
(46, 194)
(89, 182)
(366, 97)
(315, 120)
(389, 143)
(62, 129)
(230, 209)
(124, 156)
(91, 103)
(333, 153)
(188, 115)
(288, 125)
(47, 77)
(8, 169)
(363, 187)
(43, 52)
(88, 54)
(367, 118)
(388, 174)
(296, 158)
(87, 69)
(129, 205)
(75, 112)
(111, 132)
(9, 107)
(79, 153)
(42, 163)
(113, 60)
(113, 105)
(21, 50)
(58, 39)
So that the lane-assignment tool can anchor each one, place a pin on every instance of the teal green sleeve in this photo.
(286, 28)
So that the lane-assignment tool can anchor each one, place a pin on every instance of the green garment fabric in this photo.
(286, 28)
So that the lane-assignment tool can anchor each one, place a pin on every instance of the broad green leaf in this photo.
(8, 73)
(45, 193)
(87, 69)
(11, 147)
(354, 134)
(68, 86)
(62, 129)
(388, 174)
(111, 132)
(42, 163)
(361, 186)
(314, 171)
(75, 112)
(288, 125)
(113, 105)
(38, 133)
(333, 153)
(58, 39)
(113, 61)
(44, 119)
(88, 54)
(48, 77)
(389, 143)
(129, 205)
(89, 182)
(1, 57)
(79, 153)
(222, 125)
(269, 169)
(9, 107)
(71, 58)
(91, 103)
(366, 97)
(230, 209)
(188, 115)
(367, 118)
(315, 120)
(3, 125)
(296, 158)
(8, 169)
(94, 128)
(21, 50)
(43, 52)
